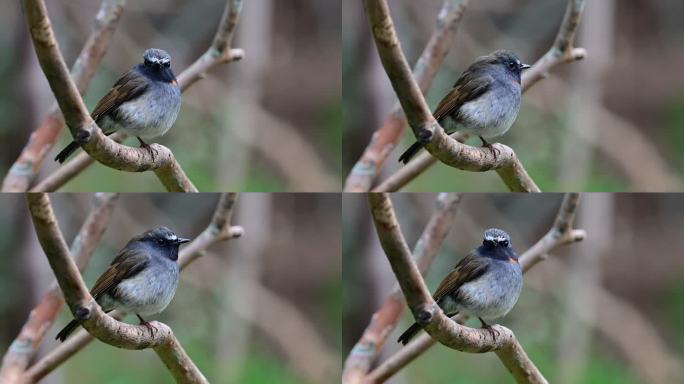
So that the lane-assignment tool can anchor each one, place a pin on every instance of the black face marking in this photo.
(157, 66)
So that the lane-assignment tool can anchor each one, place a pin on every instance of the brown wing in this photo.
(469, 86)
(468, 269)
(130, 86)
(128, 263)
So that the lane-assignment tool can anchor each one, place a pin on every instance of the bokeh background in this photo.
(262, 308)
(270, 122)
(612, 122)
(608, 309)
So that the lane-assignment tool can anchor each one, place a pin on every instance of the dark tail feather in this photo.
(67, 151)
(410, 152)
(66, 331)
(410, 332)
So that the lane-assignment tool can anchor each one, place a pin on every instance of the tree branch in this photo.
(220, 51)
(25, 168)
(41, 318)
(562, 51)
(385, 138)
(427, 312)
(385, 319)
(561, 233)
(219, 229)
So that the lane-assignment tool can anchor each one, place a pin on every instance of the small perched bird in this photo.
(484, 101)
(143, 103)
(486, 283)
(142, 279)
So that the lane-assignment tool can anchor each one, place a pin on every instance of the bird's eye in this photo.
(504, 243)
(166, 64)
(512, 65)
(160, 241)
(488, 243)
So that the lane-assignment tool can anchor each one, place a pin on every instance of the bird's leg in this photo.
(490, 146)
(489, 328)
(142, 143)
(146, 146)
(146, 324)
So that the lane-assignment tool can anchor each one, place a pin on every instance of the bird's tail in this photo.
(66, 152)
(66, 331)
(410, 152)
(409, 333)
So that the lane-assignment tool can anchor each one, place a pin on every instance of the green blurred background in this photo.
(270, 122)
(233, 331)
(608, 309)
(612, 122)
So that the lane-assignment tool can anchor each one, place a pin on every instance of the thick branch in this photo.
(219, 229)
(385, 138)
(500, 157)
(561, 233)
(28, 163)
(562, 51)
(427, 312)
(385, 319)
(82, 127)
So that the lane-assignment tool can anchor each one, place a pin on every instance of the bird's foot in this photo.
(147, 325)
(490, 329)
(148, 147)
(495, 151)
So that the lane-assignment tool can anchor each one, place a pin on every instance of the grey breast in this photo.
(153, 113)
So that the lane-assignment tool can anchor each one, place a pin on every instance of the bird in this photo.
(144, 102)
(142, 279)
(486, 283)
(483, 102)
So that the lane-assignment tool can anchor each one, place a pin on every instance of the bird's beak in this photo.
(182, 240)
(525, 66)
